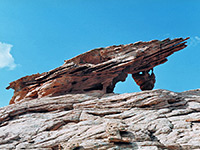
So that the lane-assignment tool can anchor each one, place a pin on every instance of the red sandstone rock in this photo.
(99, 69)
(145, 79)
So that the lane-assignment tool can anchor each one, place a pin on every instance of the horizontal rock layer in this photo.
(147, 120)
(99, 69)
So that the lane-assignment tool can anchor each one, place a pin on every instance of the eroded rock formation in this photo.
(99, 69)
(147, 120)
(145, 79)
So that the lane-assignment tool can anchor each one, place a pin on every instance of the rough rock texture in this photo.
(99, 69)
(147, 120)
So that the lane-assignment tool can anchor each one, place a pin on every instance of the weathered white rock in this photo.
(148, 120)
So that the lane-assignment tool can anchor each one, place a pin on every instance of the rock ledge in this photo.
(147, 120)
(99, 69)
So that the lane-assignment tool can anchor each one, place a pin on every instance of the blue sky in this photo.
(38, 35)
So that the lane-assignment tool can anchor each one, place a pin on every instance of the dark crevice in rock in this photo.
(56, 126)
(179, 105)
(175, 100)
(81, 68)
(152, 136)
(145, 106)
(67, 108)
(74, 82)
(56, 147)
(78, 148)
(102, 114)
(37, 111)
(98, 86)
(126, 134)
(196, 121)
(122, 143)
(84, 79)
(4, 123)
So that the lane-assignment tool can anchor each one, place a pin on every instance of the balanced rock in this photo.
(99, 70)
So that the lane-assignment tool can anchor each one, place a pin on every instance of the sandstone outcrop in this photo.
(99, 70)
(147, 120)
(73, 107)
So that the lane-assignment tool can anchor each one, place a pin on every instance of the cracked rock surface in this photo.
(147, 120)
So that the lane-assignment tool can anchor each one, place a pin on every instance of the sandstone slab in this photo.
(147, 120)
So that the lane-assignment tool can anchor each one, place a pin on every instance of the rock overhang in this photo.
(99, 70)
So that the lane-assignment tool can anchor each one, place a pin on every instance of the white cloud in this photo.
(194, 41)
(197, 38)
(6, 59)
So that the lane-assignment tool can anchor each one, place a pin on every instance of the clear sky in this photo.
(38, 35)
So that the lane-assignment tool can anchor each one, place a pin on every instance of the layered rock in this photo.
(147, 120)
(99, 70)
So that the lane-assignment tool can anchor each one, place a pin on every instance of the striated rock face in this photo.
(99, 70)
(147, 120)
